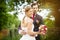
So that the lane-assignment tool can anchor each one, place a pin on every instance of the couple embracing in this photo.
(31, 23)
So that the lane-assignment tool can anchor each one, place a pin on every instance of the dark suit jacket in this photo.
(37, 24)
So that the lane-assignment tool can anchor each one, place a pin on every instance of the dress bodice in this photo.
(26, 21)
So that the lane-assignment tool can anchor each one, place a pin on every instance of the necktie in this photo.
(33, 16)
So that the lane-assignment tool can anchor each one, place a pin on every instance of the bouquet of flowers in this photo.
(43, 29)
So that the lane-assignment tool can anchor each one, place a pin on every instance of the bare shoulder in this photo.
(29, 20)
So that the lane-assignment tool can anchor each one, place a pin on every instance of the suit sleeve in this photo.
(41, 20)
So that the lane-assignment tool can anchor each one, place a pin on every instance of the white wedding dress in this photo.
(27, 36)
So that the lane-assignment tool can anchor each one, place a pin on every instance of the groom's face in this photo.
(35, 8)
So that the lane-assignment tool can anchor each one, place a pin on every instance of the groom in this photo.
(37, 19)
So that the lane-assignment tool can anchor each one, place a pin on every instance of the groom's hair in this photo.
(35, 3)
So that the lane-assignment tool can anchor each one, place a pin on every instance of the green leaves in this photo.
(7, 20)
(49, 22)
(2, 6)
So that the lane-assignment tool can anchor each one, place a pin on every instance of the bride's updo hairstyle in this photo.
(27, 8)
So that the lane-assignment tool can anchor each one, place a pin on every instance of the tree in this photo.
(7, 21)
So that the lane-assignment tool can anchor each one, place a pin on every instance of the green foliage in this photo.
(51, 29)
(7, 20)
(49, 23)
(2, 6)
(29, 1)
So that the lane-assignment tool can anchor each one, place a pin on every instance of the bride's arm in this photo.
(22, 32)
(29, 29)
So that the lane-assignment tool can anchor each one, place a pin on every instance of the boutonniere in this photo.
(37, 21)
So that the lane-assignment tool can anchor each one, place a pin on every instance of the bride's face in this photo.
(30, 12)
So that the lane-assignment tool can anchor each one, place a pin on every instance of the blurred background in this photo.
(12, 12)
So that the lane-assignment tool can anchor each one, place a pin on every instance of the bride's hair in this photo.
(27, 8)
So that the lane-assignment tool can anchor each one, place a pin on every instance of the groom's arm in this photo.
(40, 20)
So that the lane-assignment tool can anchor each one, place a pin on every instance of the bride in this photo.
(27, 25)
